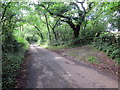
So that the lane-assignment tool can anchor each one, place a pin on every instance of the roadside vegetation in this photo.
(57, 26)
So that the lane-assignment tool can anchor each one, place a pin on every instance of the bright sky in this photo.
(36, 2)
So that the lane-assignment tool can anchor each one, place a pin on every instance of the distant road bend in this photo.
(47, 69)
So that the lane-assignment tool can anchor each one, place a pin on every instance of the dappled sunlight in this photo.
(33, 49)
(58, 58)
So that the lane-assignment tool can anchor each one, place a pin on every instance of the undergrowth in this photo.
(12, 57)
(108, 43)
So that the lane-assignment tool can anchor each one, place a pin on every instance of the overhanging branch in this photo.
(3, 14)
(51, 13)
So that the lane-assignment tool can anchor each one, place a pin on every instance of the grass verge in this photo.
(59, 47)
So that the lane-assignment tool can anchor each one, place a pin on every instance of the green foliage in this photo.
(11, 62)
(10, 66)
(32, 39)
(107, 43)
(14, 44)
(12, 58)
(59, 8)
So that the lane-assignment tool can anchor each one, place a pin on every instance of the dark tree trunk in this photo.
(49, 35)
(76, 28)
(76, 33)
(54, 34)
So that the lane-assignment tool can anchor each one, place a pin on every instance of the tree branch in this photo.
(51, 13)
(79, 11)
(83, 7)
(90, 6)
(70, 23)
(56, 23)
(3, 14)
(39, 32)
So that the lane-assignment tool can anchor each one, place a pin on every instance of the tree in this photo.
(71, 13)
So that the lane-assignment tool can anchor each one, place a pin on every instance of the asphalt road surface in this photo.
(47, 69)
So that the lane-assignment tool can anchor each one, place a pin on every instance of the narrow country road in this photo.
(47, 69)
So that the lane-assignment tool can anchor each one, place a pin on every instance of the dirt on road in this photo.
(47, 69)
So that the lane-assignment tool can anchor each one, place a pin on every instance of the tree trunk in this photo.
(76, 33)
(76, 28)
(55, 36)
(49, 35)
(40, 33)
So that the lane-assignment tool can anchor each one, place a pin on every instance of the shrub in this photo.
(107, 43)
(12, 57)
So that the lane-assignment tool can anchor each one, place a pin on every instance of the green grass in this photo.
(79, 53)
(59, 47)
(92, 59)
(84, 53)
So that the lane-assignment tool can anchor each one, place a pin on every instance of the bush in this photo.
(12, 57)
(11, 64)
(107, 43)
